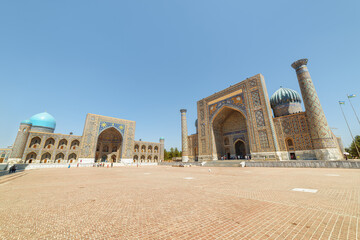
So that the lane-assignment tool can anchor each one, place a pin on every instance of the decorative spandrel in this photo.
(104, 125)
(236, 102)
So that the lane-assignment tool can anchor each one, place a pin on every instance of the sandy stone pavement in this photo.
(181, 203)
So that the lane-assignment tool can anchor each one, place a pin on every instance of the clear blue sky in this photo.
(144, 60)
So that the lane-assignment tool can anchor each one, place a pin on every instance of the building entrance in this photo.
(109, 146)
(240, 149)
(230, 134)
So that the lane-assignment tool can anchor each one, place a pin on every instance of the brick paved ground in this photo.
(159, 203)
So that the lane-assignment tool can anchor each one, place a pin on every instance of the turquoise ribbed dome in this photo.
(43, 120)
(27, 121)
(283, 96)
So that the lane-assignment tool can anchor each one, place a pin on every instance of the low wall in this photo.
(65, 165)
(305, 164)
(3, 166)
(178, 163)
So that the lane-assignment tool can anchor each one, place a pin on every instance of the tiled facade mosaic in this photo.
(265, 136)
(256, 98)
(47, 147)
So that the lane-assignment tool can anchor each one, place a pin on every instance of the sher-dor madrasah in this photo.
(237, 122)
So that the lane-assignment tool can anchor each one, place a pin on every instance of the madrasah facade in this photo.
(242, 122)
(104, 139)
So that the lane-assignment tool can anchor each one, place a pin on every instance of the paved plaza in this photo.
(181, 203)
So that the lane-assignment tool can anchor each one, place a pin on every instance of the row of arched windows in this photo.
(143, 159)
(50, 143)
(143, 149)
(106, 148)
(46, 158)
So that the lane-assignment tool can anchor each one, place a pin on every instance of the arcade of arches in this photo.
(230, 134)
(108, 146)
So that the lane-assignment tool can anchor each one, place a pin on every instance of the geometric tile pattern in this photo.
(202, 114)
(203, 146)
(256, 98)
(319, 129)
(295, 127)
(264, 141)
(259, 116)
(253, 83)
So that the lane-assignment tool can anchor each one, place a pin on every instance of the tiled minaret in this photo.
(20, 142)
(184, 136)
(162, 147)
(324, 143)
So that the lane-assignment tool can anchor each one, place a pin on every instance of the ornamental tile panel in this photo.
(105, 125)
(256, 98)
(236, 102)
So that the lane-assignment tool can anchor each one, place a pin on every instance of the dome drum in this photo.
(42, 129)
(287, 109)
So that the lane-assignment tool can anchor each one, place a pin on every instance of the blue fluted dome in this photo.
(27, 121)
(43, 120)
(283, 96)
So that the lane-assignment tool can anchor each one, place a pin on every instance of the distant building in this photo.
(104, 139)
(237, 122)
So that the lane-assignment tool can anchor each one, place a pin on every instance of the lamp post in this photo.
(342, 103)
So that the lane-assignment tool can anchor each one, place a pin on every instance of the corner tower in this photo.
(324, 144)
(162, 148)
(20, 142)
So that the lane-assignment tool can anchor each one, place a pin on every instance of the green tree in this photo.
(176, 153)
(166, 154)
(352, 149)
(171, 153)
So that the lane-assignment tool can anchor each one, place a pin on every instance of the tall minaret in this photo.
(162, 148)
(184, 136)
(324, 144)
(20, 142)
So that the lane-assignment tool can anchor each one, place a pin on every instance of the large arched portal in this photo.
(230, 134)
(109, 146)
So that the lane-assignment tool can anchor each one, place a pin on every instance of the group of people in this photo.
(102, 164)
(12, 169)
(246, 157)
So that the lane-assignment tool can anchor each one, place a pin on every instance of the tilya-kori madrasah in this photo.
(237, 122)
(241, 122)
(104, 139)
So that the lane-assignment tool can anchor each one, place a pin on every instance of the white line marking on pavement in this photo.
(305, 190)
(189, 178)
